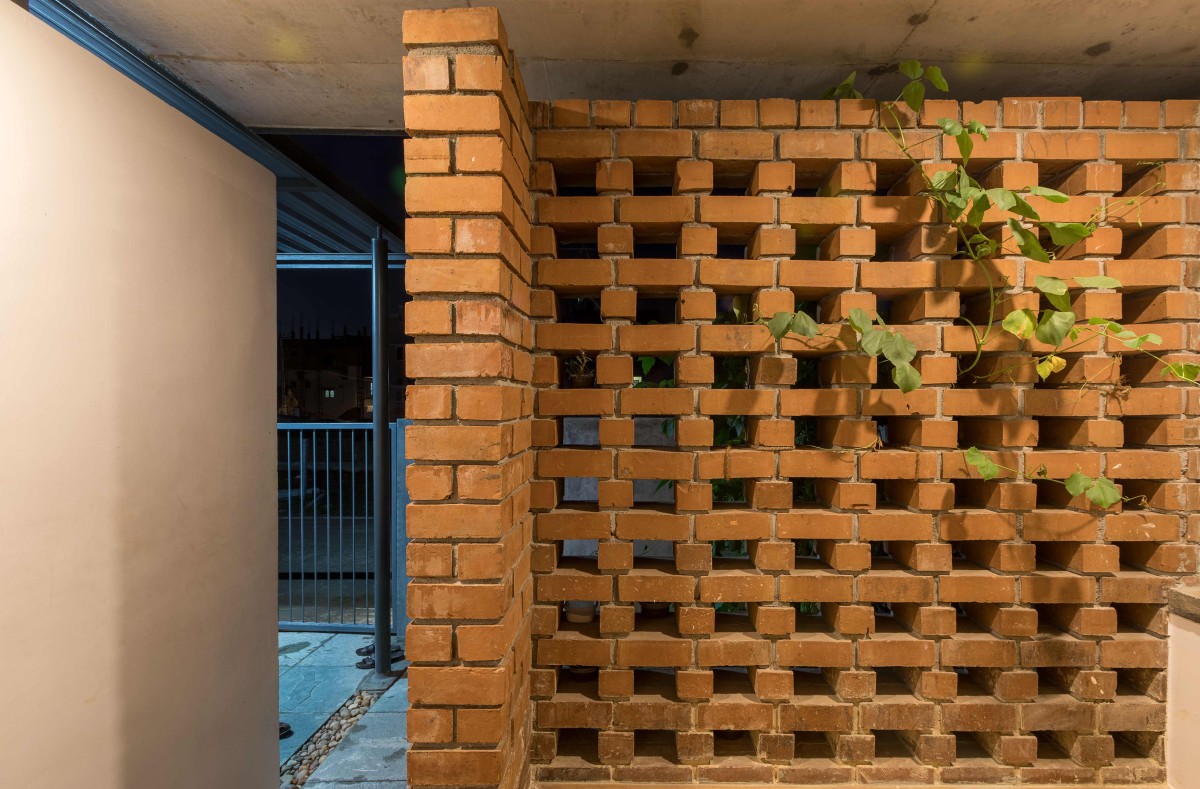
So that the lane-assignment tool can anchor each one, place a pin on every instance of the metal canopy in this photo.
(313, 219)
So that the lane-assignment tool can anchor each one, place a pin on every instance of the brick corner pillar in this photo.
(467, 163)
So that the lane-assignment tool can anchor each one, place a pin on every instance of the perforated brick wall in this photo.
(791, 573)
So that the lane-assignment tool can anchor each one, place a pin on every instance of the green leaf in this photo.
(779, 324)
(913, 94)
(1138, 342)
(804, 325)
(897, 349)
(860, 320)
(1066, 233)
(1043, 369)
(646, 363)
(1098, 282)
(1111, 326)
(934, 75)
(1049, 284)
(978, 209)
(872, 341)
(965, 145)
(906, 377)
(1053, 327)
(956, 203)
(844, 89)
(1002, 198)
(1022, 208)
(1059, 302)
(982, 463)
(968, 189)
(950, 126)
(1053, 195)
(1055, 290)
(911, 69)
(1077, 483)
(975, 127)
(981, 246)
(1184, 371)
(944, 179)
(1103, 493)
(1028, 242)
(1021, 323)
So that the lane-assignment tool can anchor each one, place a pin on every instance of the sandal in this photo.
(285, 731)
(369, 649)
(369, 661)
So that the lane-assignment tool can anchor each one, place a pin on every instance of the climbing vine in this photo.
(962, 202)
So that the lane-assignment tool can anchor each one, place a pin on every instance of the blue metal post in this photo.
(400, 501)
(382, 452)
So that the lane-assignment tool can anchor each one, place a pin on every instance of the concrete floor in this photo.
(374, 754)
(316, 676)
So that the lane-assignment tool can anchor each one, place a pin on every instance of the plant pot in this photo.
(582, 380)
(655, 610)
(580, 612)
(582, 673)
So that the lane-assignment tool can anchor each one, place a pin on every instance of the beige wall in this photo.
(137, 491)
(1183, 705)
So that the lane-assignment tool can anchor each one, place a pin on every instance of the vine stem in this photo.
(1019, 475)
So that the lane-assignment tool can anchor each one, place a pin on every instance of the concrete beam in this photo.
(315, 64)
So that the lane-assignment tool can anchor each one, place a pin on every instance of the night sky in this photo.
(336, 301)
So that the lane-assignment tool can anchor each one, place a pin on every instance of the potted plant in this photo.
(581, 371)
(582, 673)
(580, 612)
(655, 610)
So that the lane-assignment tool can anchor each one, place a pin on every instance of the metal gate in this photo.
(327, 527)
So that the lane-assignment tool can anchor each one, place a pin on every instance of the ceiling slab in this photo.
(316, 64)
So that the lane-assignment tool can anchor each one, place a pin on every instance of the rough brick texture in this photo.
(845, 600)
(468, 165)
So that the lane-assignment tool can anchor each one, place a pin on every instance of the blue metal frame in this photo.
(334, 261)
(400, 502)
(399, 537)
(320, 627)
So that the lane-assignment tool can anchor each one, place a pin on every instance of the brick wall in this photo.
(797, 577)
(470, 527)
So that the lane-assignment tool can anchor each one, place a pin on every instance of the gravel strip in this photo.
(296, 770)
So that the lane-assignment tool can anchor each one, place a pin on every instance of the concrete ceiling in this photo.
(335, 64)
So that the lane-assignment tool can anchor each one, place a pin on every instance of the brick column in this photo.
(469, 236)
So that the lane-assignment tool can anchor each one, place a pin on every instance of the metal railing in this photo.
(327, 527)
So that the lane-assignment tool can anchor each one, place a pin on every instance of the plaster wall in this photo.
(137, 523)
(1183, 704)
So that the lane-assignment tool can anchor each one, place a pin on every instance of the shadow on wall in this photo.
(138, 569)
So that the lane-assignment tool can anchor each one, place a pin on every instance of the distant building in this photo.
(328, 378)
(324, 378)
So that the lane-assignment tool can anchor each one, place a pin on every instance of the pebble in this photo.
(297, 770)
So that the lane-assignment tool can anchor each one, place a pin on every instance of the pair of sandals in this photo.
(368, 653)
